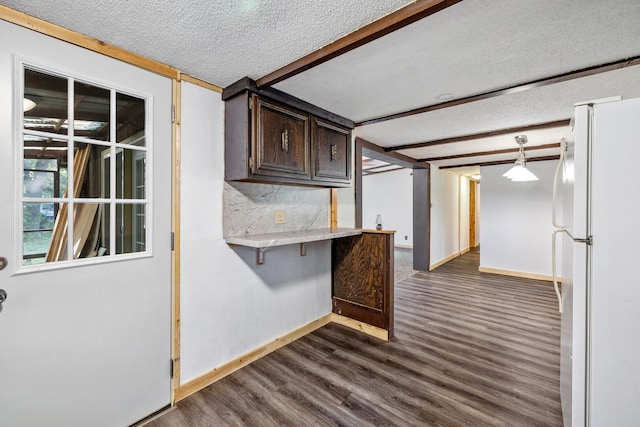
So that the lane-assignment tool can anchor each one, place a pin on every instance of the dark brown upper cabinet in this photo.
(272, 137)
(331, 152)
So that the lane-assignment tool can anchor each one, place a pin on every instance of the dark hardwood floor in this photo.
(471, 349)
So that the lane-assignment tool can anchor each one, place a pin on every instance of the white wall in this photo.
(516, 220)
(389, 194)
(230, 305)
(445, 236)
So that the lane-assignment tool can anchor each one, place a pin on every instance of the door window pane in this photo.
(108, 204)
(46, 102)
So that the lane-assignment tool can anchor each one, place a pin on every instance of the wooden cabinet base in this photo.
(362, 288)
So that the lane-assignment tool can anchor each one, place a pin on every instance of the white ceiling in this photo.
(470, 48)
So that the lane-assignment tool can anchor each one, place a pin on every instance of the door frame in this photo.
(421, 196)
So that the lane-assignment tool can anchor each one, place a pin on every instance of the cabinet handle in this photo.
(334, 152)
(285, 141)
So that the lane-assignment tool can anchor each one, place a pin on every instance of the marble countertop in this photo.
(291, 237)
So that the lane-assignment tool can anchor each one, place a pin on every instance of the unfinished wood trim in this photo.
(444, 261)
(333, 197)
(196, 81)
(480, 135)
(492, 152)
(175, 228)
(387, 24)
(583, 72)
(501, 162)
(374, 331)
(247, 358)
(513, 273)
(464, 251)
(83, 41)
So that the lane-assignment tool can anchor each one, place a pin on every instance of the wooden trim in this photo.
(512, 273)
(464, 251)
(357, 181)
(196, 81)
(501, 162)
(444, 261)
(333, 212)
(83, 41)
(367, 173)
(559, 78)
(175, 228)
(376, 152)
(394, 21)
(480, 135)
(374, 331)
(247, 358)
(493, 152)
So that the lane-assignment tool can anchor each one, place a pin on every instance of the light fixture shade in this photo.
(28, 104)
(520, 173)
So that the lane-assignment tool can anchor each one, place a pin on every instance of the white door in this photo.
(84, 338)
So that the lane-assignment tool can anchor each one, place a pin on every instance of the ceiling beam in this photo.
(501, 162)
(367, 173)
(387, 24)
(490, 153)
(517, 129)
(559, 78)
(374, 151)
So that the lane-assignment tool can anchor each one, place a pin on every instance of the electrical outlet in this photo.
(280, 217)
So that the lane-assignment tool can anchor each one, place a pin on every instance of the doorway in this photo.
(379, 161)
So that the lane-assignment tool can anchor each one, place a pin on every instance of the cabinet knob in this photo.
(334, 152)
(285, 141)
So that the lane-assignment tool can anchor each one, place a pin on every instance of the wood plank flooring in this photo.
(471, 349)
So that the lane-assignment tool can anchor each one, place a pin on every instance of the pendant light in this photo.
(519, 172)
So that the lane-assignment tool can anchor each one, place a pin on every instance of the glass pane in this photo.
(44, 167)
(93, 174)
(92, 111)
(89, 225)
(131, 227)
(130, 174)
(38, 222)
(45, 103)
(35, 246)
(130, 116)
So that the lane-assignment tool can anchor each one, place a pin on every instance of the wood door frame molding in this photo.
(387, 24)
(421, 195)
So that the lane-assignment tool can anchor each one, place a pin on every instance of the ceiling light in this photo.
(519, 172)
(28, 104)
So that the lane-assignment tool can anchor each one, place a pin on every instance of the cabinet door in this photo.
(281, 141)
(331, 152)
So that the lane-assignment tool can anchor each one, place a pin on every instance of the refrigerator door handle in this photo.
(563, 148)
(553, 266)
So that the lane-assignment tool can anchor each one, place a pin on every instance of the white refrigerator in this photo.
(600, 290)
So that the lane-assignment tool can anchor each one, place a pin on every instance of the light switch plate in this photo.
(280, 217)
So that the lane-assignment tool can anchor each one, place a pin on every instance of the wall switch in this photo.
(280, 217)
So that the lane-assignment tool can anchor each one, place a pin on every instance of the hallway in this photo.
(471, 349)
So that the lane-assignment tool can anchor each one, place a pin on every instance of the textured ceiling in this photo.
(472, 47)
(218, 41)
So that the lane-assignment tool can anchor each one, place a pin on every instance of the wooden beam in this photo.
(559, 78)
(381, 27)
(489, 153)
(367, 173)
(501, 162)
(470, 137)
(376, 152)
